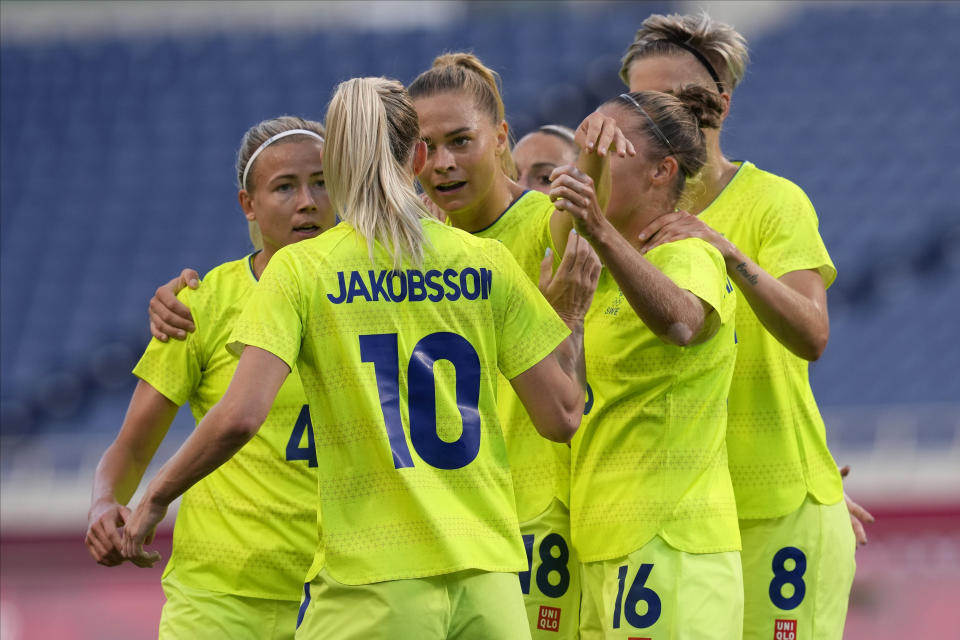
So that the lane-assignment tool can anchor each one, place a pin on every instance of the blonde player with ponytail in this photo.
(469, 174)
(398, 325)
(244, 535)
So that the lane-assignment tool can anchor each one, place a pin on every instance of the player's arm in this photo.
(168, 316)
(675, 315)
(120, 469)
(229, 425)
(597, 136)
(792, 307)
(556, 415)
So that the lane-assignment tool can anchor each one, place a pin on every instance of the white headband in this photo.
(268, 142)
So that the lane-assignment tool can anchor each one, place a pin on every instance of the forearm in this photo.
(571, 359)
(798, 322)
(117, 476)
(673, 314)
(215, 440)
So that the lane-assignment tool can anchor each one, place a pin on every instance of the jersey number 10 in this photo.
(381, 350)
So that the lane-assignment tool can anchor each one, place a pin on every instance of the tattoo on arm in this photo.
(749, 277)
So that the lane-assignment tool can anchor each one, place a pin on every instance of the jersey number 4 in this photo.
(381, 350)
(296, 450)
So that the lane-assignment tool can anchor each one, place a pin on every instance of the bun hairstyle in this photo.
(372, 129)
(254, 139)
(672, 123)
(717, 46)
(465, 72)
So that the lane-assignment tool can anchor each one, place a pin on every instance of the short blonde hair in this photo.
(719, 43)
(372, 129)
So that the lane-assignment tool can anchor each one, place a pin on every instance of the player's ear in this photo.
(664, 171)
(419, 157)
(246, 203)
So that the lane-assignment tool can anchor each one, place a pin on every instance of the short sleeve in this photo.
(271, 319)
(175, 368)
(530, 329)
(790, 237)
(697, 267)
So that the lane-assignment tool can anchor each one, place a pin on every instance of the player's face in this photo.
(630, 176)
(667, 73)
(463, 147)
(288, 199)
(536, 156)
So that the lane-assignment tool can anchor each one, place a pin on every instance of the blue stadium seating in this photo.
(117, 170)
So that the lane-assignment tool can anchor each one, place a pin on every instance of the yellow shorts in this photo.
(467, 605)
(660, 592)
(551, 586)
(797, 573)
(200, 614)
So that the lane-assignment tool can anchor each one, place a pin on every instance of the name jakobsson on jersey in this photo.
(413, 285)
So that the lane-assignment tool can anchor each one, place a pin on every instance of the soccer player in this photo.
(798, 545)
(652, 508)
(397, 324)
(539, 152)
(467, 175)
(244, 535)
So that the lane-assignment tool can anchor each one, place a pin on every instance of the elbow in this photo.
(239, 427)
(566, 428)
(814, 348)
(680, 334)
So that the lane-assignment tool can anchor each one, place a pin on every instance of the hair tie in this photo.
(653, 125)
(271, 140)
(703, 60)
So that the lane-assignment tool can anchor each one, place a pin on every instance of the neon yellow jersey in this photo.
(400, 371)
(541, 468)
(250, 527)
(650, 458)
(775, 435)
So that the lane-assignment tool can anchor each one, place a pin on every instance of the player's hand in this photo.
(678, 225)
(432, 207)
(573, 191)
(600, 134)
(104, 538)
(570, 290)
(858, 515)
(140, 530)
(168, 316)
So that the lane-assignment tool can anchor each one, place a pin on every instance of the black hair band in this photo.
(703, 60)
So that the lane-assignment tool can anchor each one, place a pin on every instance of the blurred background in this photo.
(119, 124)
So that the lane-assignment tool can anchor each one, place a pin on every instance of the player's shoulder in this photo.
(220, 281)
(767, 186)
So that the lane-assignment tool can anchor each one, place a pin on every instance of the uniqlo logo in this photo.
(549, 618)
(785, 630)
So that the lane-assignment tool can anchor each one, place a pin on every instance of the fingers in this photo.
(656, 225)
(146, 559)
(168, 316)
(858, 531)
(858, 518)
(101, 551)
(190, 277)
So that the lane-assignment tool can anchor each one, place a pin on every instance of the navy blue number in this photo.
(637, 593)
(556, 564)
(793, 577)
(294, 450)
(525, 575)
(381, 350)
(588, 405)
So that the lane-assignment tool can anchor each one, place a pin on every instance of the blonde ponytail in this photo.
(372, 129)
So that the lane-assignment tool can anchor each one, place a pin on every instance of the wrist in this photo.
(732, 257)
